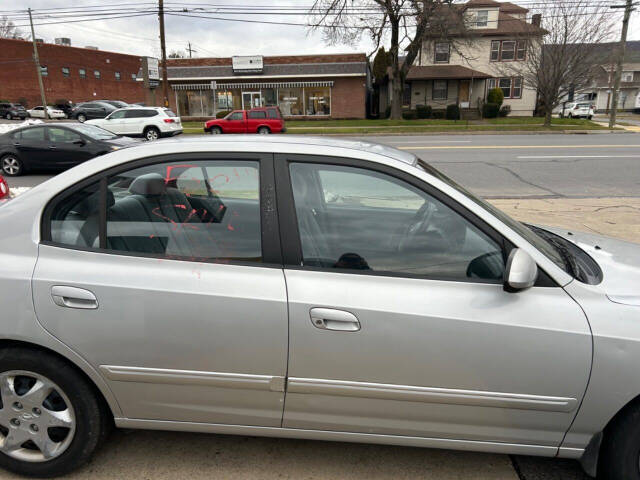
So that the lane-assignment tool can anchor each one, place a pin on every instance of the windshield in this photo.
(542, 244)
(93, 132)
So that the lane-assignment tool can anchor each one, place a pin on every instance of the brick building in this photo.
(69, 73)
(303, 86)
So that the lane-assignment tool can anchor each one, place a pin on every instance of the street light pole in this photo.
(621, 53)
(163, 48)
(36, 59)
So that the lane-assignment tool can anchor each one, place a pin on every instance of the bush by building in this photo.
(490, 110)
(424, 111)
(453, 112)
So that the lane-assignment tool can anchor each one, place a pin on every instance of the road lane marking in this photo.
(511, 147)
(579, 156)
(434, 141)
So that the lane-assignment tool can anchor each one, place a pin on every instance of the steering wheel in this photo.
(419, 223)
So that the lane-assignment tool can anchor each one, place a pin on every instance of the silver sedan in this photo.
(307, 288)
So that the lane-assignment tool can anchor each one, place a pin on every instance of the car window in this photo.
(198, 211)
(169, 113)
(257, 114)
(75, 220)
(35, 134)
(235, 116)
(272, 113)
(119, 114)
(359, 219)
(132, 114)
(62, 135)
(149, 113)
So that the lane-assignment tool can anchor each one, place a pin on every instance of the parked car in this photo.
(148, 122)
(67, 108)
(115, 103)
(258, 120)
(38, 112)
(54, 146)
(88, 110)
(4, 188)
(393, 306)
(12, 110)
(576, 110)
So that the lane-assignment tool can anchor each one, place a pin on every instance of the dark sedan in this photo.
(58, 146)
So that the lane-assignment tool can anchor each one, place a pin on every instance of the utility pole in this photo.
(163, 48)
(623, 47)
(189, 49)
(36, 59)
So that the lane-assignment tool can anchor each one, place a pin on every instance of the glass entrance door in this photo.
(251, 100)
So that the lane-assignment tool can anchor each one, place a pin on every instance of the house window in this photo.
(65, 71)
(627, 76)
(440, 90)
(482, 18)
(495, 50)
(521, 53)
(117, 75)
(508, 50)
(406, 94)
(511, 86)
(442, 52)
(96, 73)
(82, 72)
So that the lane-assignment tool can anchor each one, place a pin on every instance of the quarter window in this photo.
(357, 219)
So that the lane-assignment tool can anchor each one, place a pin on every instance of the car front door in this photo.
(115, 122)
(183, 309)
(399, 323)
(235, 123)
(67, 147)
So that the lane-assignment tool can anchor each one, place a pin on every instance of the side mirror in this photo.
(521, 271)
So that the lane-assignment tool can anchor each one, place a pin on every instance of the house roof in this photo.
(443, 72)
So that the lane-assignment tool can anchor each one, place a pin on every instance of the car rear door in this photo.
(399, 323)
(255, 118)
(181, 306)
(32, 146)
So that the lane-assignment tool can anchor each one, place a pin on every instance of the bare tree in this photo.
(564, 60)
(8, 29)
(404, 23)
(177, 54)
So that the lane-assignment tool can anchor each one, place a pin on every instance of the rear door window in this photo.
(35, 134)
(260, 114)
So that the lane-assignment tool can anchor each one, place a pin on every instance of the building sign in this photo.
(153, 70)
(247, 64)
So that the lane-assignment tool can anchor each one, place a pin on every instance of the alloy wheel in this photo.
(8, 116)
(152, 134)
(82, 118)
(37, 420)
(264, 131)
(11, 165)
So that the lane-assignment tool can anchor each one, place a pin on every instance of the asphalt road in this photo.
(523, 166)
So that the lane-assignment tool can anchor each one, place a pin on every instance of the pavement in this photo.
(586, 183)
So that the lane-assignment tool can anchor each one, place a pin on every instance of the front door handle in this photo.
(330, 319)
(73, 297)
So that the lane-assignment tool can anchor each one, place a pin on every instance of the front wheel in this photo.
(8, 117)
(81, 118)
(51, 421)
(151, 134)
(215, 131)
(12, 166)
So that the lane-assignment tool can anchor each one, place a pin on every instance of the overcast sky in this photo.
(209, 38)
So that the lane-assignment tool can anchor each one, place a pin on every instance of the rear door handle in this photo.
(330, 319)
(73, 297)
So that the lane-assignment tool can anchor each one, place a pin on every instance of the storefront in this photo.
(340, 93)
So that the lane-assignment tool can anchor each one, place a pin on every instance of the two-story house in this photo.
(462, 71)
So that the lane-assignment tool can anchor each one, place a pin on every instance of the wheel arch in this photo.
(102, 391)
(264, 126)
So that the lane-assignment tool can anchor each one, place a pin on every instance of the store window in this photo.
(290, 101)
(318, 100)
(195, 103)
(269, 97)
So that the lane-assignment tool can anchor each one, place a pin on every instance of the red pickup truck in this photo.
(257, 120)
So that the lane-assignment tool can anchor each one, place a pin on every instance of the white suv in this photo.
(148, 122)
(576, 110)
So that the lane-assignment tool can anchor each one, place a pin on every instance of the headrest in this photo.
(148, 184)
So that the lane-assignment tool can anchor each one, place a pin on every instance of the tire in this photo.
(70, 447)
(8, 116)
(620, 452)
(264, 131)
(570, 116)
(11, 165)
(215, 131)
(81, 117)
(151, 134)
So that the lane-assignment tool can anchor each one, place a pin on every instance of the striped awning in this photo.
(226, 86)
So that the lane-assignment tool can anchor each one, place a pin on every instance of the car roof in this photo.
(270, 140)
